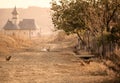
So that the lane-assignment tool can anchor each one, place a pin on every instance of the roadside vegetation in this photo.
(96, 24)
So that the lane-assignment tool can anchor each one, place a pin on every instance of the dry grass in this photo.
(33, 66)
(9, 44)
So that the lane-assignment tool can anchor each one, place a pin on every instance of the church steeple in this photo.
(15, 16)
(15, 11)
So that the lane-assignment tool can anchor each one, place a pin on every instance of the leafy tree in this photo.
(106, 14)
(68, 15)
(92, 17)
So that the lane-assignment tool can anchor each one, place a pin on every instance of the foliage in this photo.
(68, 15)
(99, 17)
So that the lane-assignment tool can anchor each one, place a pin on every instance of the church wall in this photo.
(22, 34)
(35, 33)
(11, 32)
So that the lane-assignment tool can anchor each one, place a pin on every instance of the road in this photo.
(59, 65)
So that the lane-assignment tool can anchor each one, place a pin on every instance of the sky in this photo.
(24, 3)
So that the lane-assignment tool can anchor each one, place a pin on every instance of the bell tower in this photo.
(15, 16)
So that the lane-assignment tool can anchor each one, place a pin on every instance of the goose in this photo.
(8, 58)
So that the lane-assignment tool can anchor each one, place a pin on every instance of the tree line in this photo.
(96, 23)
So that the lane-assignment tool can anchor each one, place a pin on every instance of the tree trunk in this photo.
(88, 48)
(80, 40)
(103, 45)
(79, 37)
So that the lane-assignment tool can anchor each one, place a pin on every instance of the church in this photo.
(25, 28)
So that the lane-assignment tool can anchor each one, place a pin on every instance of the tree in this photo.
(69, 15)
(105, 13)
(98, 17)
(109, 9)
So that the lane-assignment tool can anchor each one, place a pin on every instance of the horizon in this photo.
(27, 4)
(25, 7)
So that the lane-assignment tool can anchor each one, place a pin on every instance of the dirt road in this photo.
(33, 65)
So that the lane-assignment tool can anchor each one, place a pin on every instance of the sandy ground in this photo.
(59, 65)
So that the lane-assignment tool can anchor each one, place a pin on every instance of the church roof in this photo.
(10, 26)
(27, 24)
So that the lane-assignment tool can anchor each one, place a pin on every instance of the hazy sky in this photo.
(24, 3)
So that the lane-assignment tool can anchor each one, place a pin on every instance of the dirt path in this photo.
(32, 65)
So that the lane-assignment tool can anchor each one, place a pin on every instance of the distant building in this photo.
(21, 29)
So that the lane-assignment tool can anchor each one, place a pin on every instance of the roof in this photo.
(27, 24)
(10, 26)
(14, 12)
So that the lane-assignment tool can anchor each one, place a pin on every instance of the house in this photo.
(25, 28)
